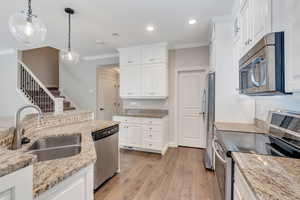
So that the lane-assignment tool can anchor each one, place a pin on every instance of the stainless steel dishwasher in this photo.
(107, 149)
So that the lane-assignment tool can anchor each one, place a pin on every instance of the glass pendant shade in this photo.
(28, 30)
(69, 57)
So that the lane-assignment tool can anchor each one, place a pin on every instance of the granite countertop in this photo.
(49, 173)
(239, 127)
(11, 161)
(144, 113)
(270, 178)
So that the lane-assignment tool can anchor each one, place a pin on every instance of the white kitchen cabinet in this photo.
(134, 135)
(79, 186)
(130, 81)
(144, 134)
(130, 56)
(246, 26)
(146, 77)
(154, 80)
(17, 185)
(286, 17)
(255, 22)
(242, 190)
(262, 18)
(157, 53)
(123, 134)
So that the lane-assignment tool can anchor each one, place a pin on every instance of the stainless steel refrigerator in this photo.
(210, 119)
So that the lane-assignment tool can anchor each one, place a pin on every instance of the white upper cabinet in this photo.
(149, 78)
(154, 54)
(155, 77)
(286, 17)
(130, 81)
(130, 56)
(255, 22)
(262, 18)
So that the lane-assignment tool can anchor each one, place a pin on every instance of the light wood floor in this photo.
(179, 175)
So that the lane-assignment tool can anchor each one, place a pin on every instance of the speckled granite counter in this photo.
(144, 113)
(11, 161)
(270, 178)
(239, 127)
(49, 173)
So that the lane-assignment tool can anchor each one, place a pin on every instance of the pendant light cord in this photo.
(69, 44)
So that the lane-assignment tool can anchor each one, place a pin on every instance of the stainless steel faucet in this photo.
(18, 131)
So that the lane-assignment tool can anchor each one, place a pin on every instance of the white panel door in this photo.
(107, 105)
(130, 81)
(191, 87)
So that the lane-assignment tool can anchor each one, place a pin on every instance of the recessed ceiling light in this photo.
(150, 28)
(192, 21)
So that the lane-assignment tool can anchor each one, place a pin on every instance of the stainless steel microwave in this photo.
(261, 70)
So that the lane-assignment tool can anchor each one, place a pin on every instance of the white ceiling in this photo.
(98, 19)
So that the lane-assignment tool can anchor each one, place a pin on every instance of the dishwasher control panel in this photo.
(97, 135)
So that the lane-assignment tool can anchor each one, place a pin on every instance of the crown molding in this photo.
(189, 45)
(7, 51)
(100, 57)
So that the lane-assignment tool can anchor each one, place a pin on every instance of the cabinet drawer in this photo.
(152, 136)
(150, 121)
(148, 144)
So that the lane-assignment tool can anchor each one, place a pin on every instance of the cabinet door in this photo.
(154, 54)
(155, 80)
(261, 10)
(130, 56)
(130, 81)
(134, 135)
(123, 135)
(246, 26)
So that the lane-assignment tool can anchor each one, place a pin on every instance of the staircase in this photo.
(56, 93)
(48, 99)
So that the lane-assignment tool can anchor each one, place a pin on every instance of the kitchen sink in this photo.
(56, 141)
(56, 153)
(56, 147)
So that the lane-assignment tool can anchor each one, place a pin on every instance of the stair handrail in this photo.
(37, 80)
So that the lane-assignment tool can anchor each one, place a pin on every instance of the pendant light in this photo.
(68, 55)
(27, 28)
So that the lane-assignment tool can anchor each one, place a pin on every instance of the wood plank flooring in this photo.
(179, 175)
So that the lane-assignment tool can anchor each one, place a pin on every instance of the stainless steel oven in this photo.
(261, 70)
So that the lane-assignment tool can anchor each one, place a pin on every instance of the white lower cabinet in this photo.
(79, 186)
(17, 185)
(145, 134)
(241, 191)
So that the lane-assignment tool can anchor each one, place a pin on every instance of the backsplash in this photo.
(159, 104)
(264, 104)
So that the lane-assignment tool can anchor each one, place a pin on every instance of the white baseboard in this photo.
(172, 144)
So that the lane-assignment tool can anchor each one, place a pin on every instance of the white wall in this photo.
(44, 63)
(264, 104)
(230, 106)
(79, 81)
(10, 99)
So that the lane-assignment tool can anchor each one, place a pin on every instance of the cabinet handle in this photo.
(130, 62)
(150, 145)
(151, 93)
(129, 93)
(152, 59)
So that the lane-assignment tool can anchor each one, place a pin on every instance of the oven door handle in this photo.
(216, 152)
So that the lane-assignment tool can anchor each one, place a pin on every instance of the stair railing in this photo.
(36, 92)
